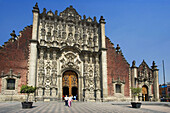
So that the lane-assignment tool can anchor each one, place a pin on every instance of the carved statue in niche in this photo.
(54, 79)
(41, 64)
(90, 73)
(85, 67)
(41, 78)
(70, 39)
(54, 65)
(90, 42)
(42, 32)
(64, 35)
(86, 81)
(55, 33)
(70, 28)
(76, 38)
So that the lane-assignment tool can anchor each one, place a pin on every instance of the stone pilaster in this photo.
(156, 82)
(33, 48)
(103, 60)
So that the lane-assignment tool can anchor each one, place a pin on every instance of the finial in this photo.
(36, 5)
(102, 20)
(44, 11)
(71, 6)
(117, 48)
(56, 12)
(134, 63)
(84, 17)
(35, 8)
(154, 65)
(94, 19)
(13, 34)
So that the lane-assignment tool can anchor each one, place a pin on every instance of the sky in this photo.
(140, 27)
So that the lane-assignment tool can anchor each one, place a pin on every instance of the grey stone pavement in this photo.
(85, 107)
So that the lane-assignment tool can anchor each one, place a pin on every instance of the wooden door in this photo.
(70, 81)
(144, 93)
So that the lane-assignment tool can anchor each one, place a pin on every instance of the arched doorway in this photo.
(145, 93)
(70, 84)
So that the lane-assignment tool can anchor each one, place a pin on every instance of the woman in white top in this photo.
(69, 100)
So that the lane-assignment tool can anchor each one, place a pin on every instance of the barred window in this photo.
(118, 88)
(11, 84)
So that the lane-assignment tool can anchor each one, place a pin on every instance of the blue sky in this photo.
(140, 27)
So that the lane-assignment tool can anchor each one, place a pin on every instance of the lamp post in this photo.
(164, 78)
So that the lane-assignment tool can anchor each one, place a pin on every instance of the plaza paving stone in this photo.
(81, 107)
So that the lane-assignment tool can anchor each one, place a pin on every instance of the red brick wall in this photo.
(15, 56)
(116, 66)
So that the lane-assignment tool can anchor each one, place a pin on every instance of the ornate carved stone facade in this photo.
(70, 55)
(66, 43)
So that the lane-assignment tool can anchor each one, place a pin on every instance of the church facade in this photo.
(65, 54)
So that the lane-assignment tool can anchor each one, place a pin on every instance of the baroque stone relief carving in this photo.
(70, 60)
(144, 75)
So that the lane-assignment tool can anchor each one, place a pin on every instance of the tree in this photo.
(136, 91)
(28, 90)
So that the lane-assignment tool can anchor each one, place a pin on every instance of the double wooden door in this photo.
(144, 93)
(70, 84)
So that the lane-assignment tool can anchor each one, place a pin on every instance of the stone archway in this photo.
(70, 84)
(145, 93)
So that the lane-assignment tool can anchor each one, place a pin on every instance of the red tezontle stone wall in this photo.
(116, 66)
(15, 56)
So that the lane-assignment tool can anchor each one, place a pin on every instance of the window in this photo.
(118, 88)
(11, 84)
(168, 89)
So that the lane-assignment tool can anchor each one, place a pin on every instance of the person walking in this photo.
(66, 100)
(69, 101)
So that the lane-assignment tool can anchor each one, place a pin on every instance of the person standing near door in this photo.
(70, 100)
(66, 100)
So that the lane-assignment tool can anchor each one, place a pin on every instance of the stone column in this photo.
(33, 48)
(140, 94)
(133, 74)
(150, 91)
(103, 60)
(86, 78)
(60, 87)
(97, 80)
(156, 81)
(81, 89)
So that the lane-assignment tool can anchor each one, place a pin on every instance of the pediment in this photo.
(70, 14)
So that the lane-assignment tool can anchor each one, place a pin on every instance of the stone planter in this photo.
(136, 104)
(26, 105)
